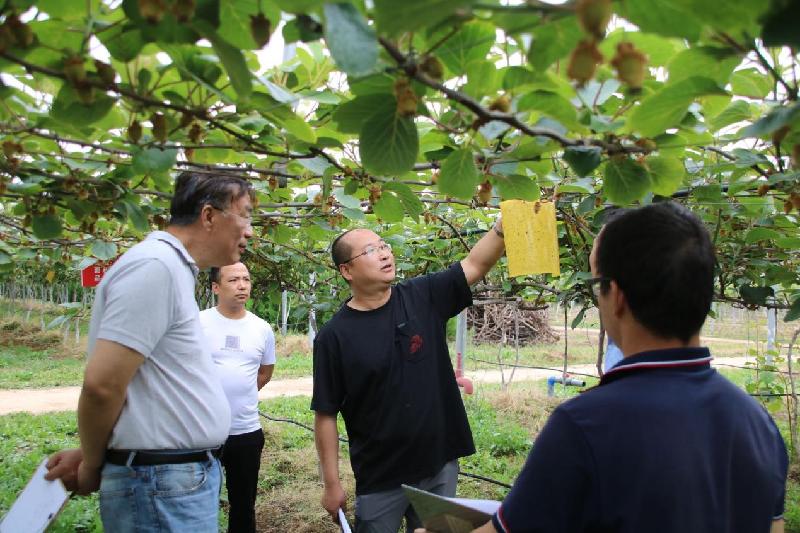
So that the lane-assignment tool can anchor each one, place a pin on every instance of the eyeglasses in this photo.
(372, 249)
(248, 220)
(594, 284)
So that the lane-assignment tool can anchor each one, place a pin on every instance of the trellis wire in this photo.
(344, 440)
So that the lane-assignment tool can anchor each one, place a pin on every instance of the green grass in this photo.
(504, 424)
(502, 446)
(730, 323)
(299, 364)
(792, 505)
(24, 441)
(62, 365)
(35, 311)
(22, 367)
(295, 365)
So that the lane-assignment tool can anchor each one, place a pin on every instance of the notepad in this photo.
(450, 515)
(37, 506)
(531, 238)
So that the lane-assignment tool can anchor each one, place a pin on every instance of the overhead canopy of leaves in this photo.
(391, 115)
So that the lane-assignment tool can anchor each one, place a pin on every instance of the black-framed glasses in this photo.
(371, 250)
(594, 284)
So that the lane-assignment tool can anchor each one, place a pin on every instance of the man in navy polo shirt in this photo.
(664, 443)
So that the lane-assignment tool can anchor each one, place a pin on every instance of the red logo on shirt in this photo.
(416, 344)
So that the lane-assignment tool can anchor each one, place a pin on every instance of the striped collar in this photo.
(684, 358)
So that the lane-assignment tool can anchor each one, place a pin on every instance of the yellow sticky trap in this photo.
(531, 238)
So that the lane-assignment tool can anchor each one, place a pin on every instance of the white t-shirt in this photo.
(239, 347)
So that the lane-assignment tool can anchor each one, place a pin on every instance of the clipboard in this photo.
(449, 515)
(37, 505)
(343, 525)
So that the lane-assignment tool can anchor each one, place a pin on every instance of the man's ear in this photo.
(215, 287)
(206, 216)
(344, 270)
(618, 300)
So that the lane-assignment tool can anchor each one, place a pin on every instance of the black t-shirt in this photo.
(388, 371)
(664, 444)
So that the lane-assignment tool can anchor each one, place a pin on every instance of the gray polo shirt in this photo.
(146, 302)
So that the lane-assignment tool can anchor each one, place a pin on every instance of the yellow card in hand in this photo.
(531, 238)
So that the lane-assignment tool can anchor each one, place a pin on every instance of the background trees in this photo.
(418, 116)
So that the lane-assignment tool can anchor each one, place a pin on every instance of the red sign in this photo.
(91, 275)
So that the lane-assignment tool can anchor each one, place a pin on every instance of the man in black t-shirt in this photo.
(664, 444)
(382, 361)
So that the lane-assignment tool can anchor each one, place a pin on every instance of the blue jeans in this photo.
(174, 497)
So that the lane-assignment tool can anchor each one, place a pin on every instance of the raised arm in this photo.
(484, 254)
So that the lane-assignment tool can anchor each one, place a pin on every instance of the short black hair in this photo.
(341, 251)
(662, 258)
(213, 274)
(194, 190)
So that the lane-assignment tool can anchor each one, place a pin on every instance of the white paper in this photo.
(488, 507)
(343, 522)
(36, 506)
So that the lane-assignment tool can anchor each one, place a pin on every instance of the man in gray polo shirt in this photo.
(152, 414)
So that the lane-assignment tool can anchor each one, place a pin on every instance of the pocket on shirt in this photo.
(412, 341)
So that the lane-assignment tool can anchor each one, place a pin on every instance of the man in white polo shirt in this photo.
(152, 415)
(243, 348)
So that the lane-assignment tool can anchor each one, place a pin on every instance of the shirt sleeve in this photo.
(139, 304)
(450, 293)
(328, 392)
(783, 467)
(268, 358)
(553, 491)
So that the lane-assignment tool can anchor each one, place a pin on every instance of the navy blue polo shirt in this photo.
(663, 444)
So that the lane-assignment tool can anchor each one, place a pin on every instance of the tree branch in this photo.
(202, 114)
(730, 157)
(409, 66)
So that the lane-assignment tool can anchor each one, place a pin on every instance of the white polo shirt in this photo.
(146, 302)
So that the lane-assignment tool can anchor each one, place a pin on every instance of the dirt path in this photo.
(37, 401)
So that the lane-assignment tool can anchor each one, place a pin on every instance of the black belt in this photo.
(157, 457)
